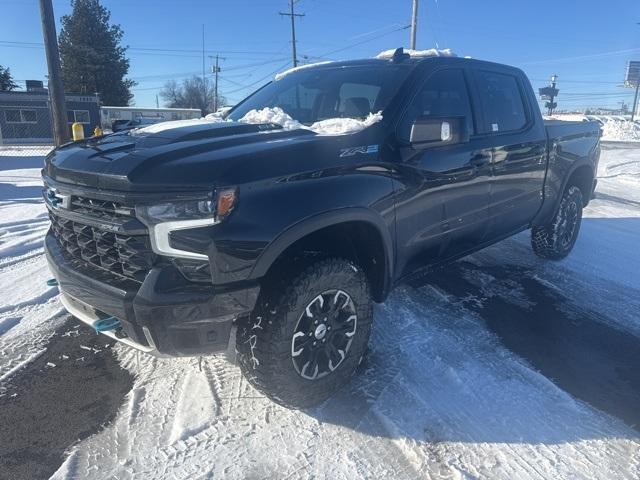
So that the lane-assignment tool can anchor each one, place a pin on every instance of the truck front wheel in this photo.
(556, 239)
(308, 334)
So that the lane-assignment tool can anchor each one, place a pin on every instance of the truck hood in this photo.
(184, 158)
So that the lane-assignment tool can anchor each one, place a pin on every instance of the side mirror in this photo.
(428, 132)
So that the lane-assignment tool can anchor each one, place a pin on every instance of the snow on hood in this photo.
(162, 126)
(432, 52)
(301, 67)
(330, 126)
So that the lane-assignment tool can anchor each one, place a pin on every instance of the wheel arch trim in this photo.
(328, 219)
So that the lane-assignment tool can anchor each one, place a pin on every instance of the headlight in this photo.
(163, 218)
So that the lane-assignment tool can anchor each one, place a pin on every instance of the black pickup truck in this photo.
(181, 240)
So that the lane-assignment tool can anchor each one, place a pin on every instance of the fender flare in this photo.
(548, 213)
(326, 219)
(572, 170)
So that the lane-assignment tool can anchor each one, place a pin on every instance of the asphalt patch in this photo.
(562, 338)
(68, 393)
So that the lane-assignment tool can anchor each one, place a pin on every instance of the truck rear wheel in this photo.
(307, 336)
(556, 239)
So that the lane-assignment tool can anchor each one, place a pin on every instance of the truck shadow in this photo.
(20, 193)
(458, 343)
(22, 160)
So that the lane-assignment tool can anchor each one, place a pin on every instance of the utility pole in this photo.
(414, 25)
(204, 80)
(216, 69)
(56, 88)
(293, 28)
(157, 102)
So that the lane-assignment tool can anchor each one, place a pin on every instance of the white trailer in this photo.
(110, 114)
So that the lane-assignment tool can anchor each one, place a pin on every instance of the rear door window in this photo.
(501, 101)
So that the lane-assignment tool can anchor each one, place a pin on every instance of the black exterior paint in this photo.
(427, 206)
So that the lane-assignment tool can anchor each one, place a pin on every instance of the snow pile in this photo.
(330, 126)
(432, 52)
(297, 69)
(621, 131)
(342, 126)
(220, 113)
(614, 129)
(271, 115)
(162, 126)
(567, 117)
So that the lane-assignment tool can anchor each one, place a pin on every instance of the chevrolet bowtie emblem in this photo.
(56, 199)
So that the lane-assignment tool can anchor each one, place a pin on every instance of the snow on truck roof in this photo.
(301, 67)
(384, 55)
(432, 52)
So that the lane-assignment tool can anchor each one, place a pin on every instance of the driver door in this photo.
(442, 205)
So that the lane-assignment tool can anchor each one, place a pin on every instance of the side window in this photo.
(82, 116)
(501, 100)
(444, 94)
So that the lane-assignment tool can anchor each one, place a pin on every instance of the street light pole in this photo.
(554, 78)
(55, 85)
(635, 102)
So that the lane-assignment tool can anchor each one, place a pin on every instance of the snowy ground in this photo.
(501, 366)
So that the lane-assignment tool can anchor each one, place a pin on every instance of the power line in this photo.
(262, 79)
(325, 55)
(149, 50)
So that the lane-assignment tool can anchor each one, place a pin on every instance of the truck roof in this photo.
(409, 61)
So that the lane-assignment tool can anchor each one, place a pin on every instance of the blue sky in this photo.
(587, 42)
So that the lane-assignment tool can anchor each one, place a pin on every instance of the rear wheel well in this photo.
(357, 241)
(582, 177)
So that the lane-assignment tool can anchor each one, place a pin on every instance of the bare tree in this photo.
(191, 94)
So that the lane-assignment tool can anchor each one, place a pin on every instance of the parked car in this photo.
(170, 242)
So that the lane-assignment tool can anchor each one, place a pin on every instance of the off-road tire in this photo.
(264, 340)
(554, 241)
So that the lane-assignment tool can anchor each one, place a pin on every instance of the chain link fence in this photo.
(26, 124)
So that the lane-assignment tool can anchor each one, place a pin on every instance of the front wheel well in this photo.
(357, 241)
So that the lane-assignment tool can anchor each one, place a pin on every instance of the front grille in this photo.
(100, 209)
(84, 237)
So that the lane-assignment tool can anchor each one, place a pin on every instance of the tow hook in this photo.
(106, 324)
(52, 282)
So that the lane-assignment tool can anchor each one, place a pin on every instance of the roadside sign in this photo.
(547, 92)
(632, 75)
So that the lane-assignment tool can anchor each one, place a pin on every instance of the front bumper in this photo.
(165, 315)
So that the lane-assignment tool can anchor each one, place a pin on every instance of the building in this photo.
(108, 115)
(25, 116)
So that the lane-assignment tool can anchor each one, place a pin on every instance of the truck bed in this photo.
(561, 129)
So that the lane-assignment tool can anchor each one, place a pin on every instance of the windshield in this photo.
(317, 94)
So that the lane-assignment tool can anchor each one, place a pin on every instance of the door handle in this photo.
(480, 159)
